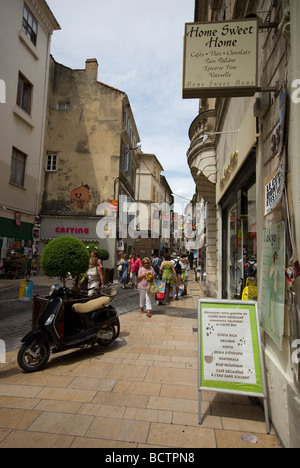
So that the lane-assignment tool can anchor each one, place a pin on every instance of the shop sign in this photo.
(229, 349)
(120, 246)
(273, 188)
(234, 159)
(36, 234)
(18, 219)
(51, 228)
(71, 230)
(220, 59)
(113, 205)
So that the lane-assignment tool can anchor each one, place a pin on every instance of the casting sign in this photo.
(220, 59)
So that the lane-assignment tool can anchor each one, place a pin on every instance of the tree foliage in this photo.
(65, 255)
(101, 253)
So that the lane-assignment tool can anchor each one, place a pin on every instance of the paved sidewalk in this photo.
(141, 392)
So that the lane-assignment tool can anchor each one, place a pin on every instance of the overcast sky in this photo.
(139, 48)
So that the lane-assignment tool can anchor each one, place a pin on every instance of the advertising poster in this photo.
(273, 188)
(273, 282)
(230, 347)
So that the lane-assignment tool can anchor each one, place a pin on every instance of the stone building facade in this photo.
(25, 35)
(90, 156)
(244, 157)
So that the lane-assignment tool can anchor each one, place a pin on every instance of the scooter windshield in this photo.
(52, 308)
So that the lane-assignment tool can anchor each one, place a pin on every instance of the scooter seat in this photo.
(91, 306)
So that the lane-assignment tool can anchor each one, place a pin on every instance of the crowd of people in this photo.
(139, 274)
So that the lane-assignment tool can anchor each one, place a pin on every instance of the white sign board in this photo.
(229, 349)
(220, 59)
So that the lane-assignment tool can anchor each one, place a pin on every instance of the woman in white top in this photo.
(93, 276)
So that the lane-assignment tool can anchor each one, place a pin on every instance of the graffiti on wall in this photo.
(81, 197)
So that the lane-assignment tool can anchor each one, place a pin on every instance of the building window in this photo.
(126, 164)
(153, 194)
(29, 25)
(24, 94)
(18, 163)
(63, 105)
(51, 165)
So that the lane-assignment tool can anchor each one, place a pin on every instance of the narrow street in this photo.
(140, 392)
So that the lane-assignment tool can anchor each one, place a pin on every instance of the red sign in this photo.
(62, 230)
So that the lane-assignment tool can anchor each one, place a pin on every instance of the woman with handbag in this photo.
(145, 275)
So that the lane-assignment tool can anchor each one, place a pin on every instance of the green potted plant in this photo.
(102, 253)
(65, 255)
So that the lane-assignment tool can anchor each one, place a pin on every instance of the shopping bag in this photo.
(160, 296)
(250, 291)
(153, 288)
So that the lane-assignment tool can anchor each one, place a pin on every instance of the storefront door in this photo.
(239, 259)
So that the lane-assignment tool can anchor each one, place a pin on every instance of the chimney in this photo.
(91, 66)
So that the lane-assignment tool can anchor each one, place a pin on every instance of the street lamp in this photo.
(206, 135)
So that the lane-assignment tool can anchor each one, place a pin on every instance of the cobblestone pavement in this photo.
(141, 392)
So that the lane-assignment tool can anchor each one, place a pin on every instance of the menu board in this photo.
(229, 347)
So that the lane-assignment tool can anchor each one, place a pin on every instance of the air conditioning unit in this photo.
(262, 104)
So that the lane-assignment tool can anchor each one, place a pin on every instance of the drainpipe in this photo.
(43, 128)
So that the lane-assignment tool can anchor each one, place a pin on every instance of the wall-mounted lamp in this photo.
(206, 135)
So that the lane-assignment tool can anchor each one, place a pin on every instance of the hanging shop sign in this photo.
(273, 187)
(220, 59)
(113, 205)
(229, 350)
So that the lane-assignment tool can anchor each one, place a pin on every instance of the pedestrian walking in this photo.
(178, 267)
(135, 265)
(123, 269)
(93, 277)
(156, 265)
(168, 275)
(145, 275)
(185, 273)
(94, 254)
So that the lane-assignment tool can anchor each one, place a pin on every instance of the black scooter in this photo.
(61, 328)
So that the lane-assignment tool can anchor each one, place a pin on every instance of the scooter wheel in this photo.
(117, 328)
(108, 335)
(33, 357)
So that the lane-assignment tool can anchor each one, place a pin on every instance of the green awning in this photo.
(9, 229)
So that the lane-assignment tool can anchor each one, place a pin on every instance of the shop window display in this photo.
(239, 271)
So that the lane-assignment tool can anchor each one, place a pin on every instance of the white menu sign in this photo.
(228, 346)
(230, 358)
